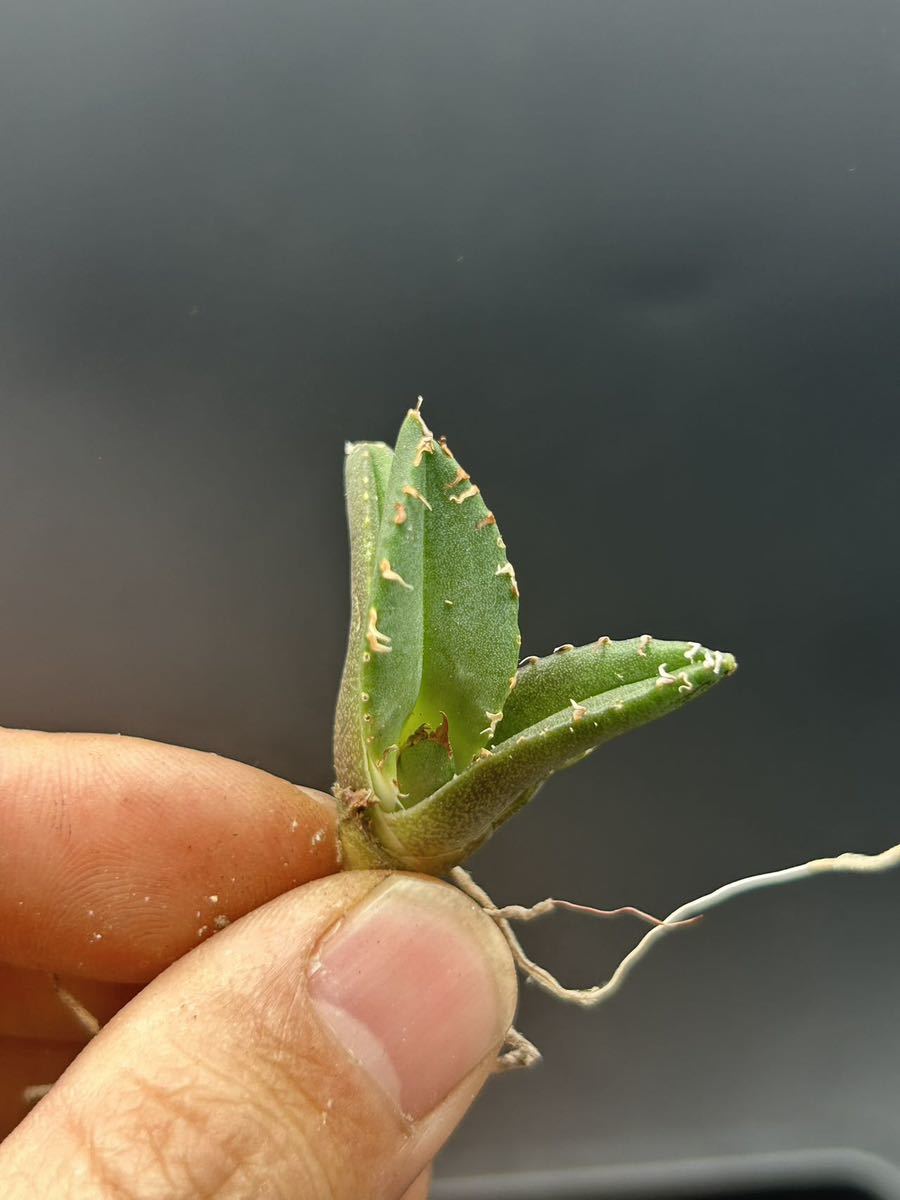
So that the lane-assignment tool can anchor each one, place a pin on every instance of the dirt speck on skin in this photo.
(202, 931)
(96, 937)
(295, 825)
(317, 838)
(221, 921)
(213, 899)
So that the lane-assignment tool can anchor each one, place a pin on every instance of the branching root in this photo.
(517, 1052)
(686, 914)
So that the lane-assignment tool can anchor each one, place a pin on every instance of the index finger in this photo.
(117, 855)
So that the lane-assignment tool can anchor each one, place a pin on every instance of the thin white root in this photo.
(518, 912)
(88, 1022)
(86, 1019)
(517, 1053)
(685, 914)
(529, 968)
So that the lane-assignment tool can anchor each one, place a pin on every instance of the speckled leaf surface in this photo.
(546, 685)
(424, 764)
(447, 827)
(393, 638)
(471, 616)
(440, 628)
(366, 468)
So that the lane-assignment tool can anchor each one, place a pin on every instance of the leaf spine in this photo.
(665, 677)
(490, 519)
(643, 642)
(387, 572)
(493, 721)
(564, 648)
(425, 446)
(507, 569)
(399, 513)
(385, 752)
(579, 712)
(409, 490)
(461, 476)
(379, 643)
(466, 495)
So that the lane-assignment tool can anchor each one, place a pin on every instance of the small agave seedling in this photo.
(440, 733)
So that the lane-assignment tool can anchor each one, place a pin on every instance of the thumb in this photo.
(323, 1046)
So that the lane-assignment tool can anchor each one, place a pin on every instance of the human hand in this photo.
(325, 1044)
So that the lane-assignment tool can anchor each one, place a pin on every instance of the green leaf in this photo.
(424, 764)
(546, 685)
(393, 637)
(441, 631)
(365, 474)
(471, 600)
(447, 827)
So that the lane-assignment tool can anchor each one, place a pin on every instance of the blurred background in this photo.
(641, 258)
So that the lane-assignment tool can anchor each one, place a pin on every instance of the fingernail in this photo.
(418, 986)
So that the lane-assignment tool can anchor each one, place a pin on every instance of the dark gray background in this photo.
(641, 257)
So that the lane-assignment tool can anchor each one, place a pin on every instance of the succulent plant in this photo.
(440, 733)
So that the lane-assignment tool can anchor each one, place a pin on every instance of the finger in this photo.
(117, 855)
(324, 1046)
(419, 1190)
(31, 1006)
(24, 1063)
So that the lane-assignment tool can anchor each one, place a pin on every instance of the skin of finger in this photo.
(421, 1187)
(118, 855)
(31, 1007)
(220, 1074)
(25, 1062)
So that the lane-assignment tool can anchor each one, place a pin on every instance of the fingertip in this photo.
(119, 854)
(329, 1043)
